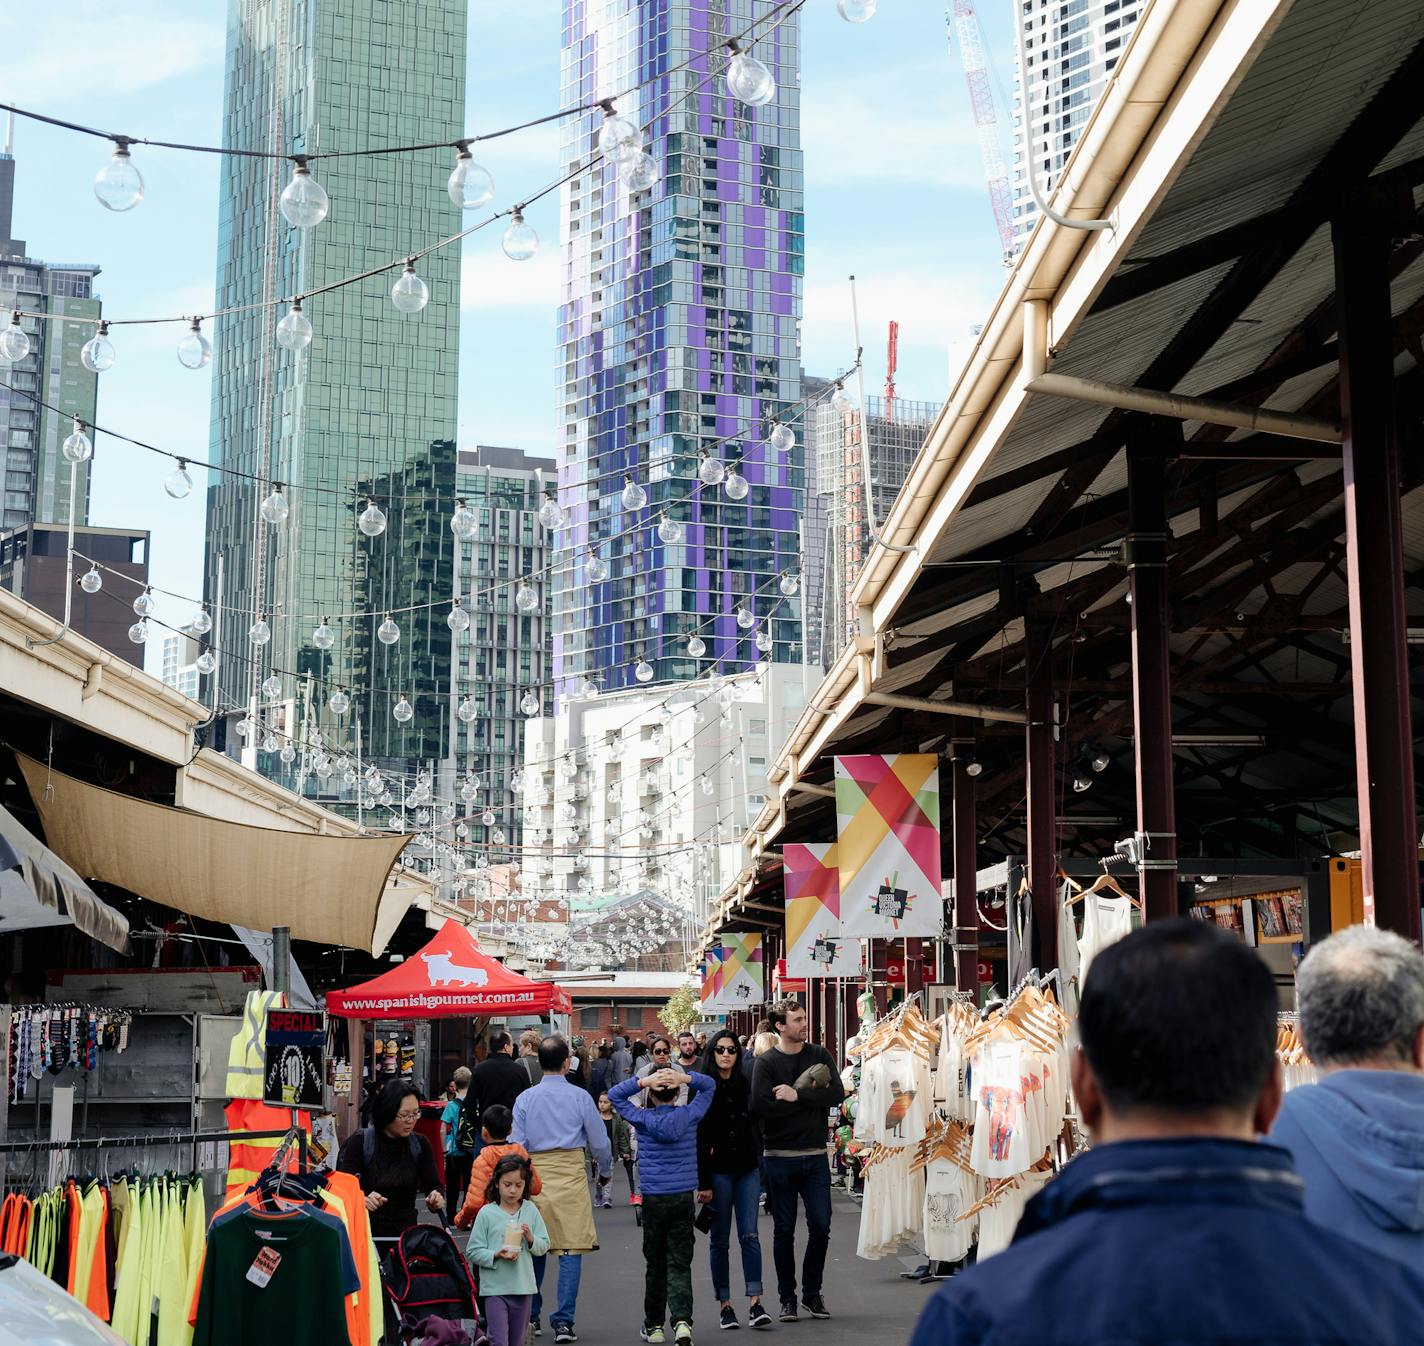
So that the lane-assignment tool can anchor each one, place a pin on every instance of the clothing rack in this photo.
(193, 1138)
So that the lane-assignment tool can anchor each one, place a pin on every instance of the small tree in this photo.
(681, 1011)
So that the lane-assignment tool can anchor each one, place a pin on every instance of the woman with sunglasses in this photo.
(728, 1164)
(662, 1054)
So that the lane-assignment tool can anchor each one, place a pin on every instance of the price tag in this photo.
(263, 1265)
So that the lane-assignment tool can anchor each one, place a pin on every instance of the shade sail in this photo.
(37, 888)
(451, 975)
(323, 888)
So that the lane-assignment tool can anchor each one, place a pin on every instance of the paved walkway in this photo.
(867, 1300)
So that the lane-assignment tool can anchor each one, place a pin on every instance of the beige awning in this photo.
(323, 888)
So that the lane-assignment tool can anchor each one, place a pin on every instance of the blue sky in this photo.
(894, 194)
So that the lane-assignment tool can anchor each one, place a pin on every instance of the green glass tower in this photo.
(370, 404)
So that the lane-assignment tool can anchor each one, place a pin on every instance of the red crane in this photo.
(891, 360)
(986, 121)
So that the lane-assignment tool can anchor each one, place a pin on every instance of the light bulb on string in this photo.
(243, 728)
(526, 597)
(78, 447)
(748, 80)
(856, 11)
(388, 632)
(789, 583)
(634, 496)
(696, 646)
(14, 340)
(178, 484)
(323, 637)
(402, 712)
(206, 662)
(746, 619)
(457, 619)
(338, 702)
(304, 202)
(736, 485)
(466, 709)
(119, 185)
(550, 514)
(643, 670)
(98, 354)
(470, 184)
(529, 703)
(274, 508)
(294, 332)
(669, 530)
(487, 817)
(640, 172)
(710, 469)
(259, 633)
(138, 632)
(272, 687)
(143, 604)
(619, 138)
(372, 519)
(596, 568)
(498, 836)
(462, 830)
(782, 438)
(288, 754)
(520, 242)
(763, 640)
(463, 522)
(841, 401)
(194, 349)
(410, 294)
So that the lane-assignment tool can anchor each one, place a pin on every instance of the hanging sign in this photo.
(815, 946)
(711, 979)
(296, 1058)
(888, 847)
(743, 983)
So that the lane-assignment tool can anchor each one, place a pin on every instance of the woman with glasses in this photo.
(662, 1054)
(393, 1163)
(728, 1163)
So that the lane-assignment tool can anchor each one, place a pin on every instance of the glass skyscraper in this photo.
(370, 405)
(678, 330)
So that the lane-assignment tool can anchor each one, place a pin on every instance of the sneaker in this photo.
(918, 1274)
(757, 1316)
(728, 1321)
(788, 1311)
(682, 1334)
(564, 1332)
(815, 1306)
(653, 1334)
(537, 1326)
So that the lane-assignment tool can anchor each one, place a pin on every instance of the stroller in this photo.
(430, 1291)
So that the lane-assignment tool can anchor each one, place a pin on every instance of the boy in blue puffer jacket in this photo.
(667, 1165)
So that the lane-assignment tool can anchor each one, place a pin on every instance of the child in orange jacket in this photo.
(495, 1124)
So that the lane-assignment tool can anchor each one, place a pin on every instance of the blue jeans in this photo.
(736, 1194)
(570, 1270)
(807, 1176)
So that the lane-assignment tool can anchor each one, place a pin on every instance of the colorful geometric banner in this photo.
(711, 979)
(743, 981)
(814, 946)
(887, 812)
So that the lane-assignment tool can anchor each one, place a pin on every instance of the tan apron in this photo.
(564, 1201)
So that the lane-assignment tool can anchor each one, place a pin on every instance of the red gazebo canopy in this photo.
(450, 976)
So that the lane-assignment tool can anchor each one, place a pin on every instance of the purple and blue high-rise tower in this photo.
(679, 333)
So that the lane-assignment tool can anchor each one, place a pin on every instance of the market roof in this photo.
(1227, 140)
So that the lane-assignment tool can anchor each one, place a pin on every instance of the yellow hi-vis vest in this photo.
(247, 1057)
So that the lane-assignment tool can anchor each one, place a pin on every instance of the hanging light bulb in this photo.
(119, 185)
(520, 242)
(457, 619)
(288, 754)
(91, 581)
(466, 709)
(259, 633)
(323, 637)
(588, 687)
(200, 623)
(789, 583)
(498, 836)
(526, 598)
(143, 604)
(194, 349)
(641, 172)
(463, 522)
(619, 138)
(746, 619)
(388, 633)
(669, 531)
(529, 703)
(706, 786)
(372, 519)
(748, 80)
(138, 632)
(550, 515)
(402, 712)
(338, 702)
(178, 484)
(470, 185)
(294, 332)
(596, 568)
(841, 401)
(274, 508)
(243, 728)
(97, 354)
(410, 294)
(487, 817)
(304, 202)
(643, 670)
(634, 496)
(206, 662)
(856, 11)
(696, 646)
(272, 687)
(763, 640)
(781, 438)
(78, 447)
(14, 341)
(710, 469)
(736, 485)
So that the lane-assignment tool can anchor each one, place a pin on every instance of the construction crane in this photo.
(892, 359)
(965, 21)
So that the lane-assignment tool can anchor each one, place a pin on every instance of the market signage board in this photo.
(296, 1058)
(743, 979)
(815, 946)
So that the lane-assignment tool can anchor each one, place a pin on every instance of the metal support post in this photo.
(966, 897)
(1041, 753)
(282, 959)
(1151, 682)
(1379, 656)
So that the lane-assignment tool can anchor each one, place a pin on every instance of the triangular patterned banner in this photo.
(814, 944)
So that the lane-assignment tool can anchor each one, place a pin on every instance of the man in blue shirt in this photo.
(555, 1122)
(1179, 1225)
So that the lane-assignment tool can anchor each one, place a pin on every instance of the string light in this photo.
(458, 619)
(206, 662)
(259, 633)
(372, 519)
(98, 354)
(596, 568)
(200, 623)
(856, 11)
(634, 496)
(789, 583)
(520, 242)
(746, 619)
(402, 713)
(14, 340)
(410, 294)
(294, 332)
(841, 401)
(338, 702)
(710, 469)
(119, 185)
(748, 80)
(763, 640)
(194, 349)
(388, 632)
(463, 522)
(526, 599)
(178, 484)
(91, 581)
(529, 703)
(643, 670)
(470, 184)
(781, 438)
(143, 604)
(274, 508)
(304, 202)
(641, 172)
(669, 530)
(466, 710)
(323, 637)
(272, 687)
(138, 632)
(77, 447)
(619, 138)
(550, 513)
(735, 484)
(696, 646)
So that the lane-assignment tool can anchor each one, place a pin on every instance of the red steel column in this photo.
(1379, 654)
(1151, 681)
(1041, 752)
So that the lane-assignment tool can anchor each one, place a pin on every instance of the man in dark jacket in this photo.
(794, 1087)
(499, 1078)
(1357, 1137)
(1176, 1226)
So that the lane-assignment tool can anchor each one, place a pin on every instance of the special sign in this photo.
(296, 1058)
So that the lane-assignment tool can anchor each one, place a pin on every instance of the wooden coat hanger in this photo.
(1103, 883)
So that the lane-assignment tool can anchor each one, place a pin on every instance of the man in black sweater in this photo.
(794, 1087)
(499, 1078)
